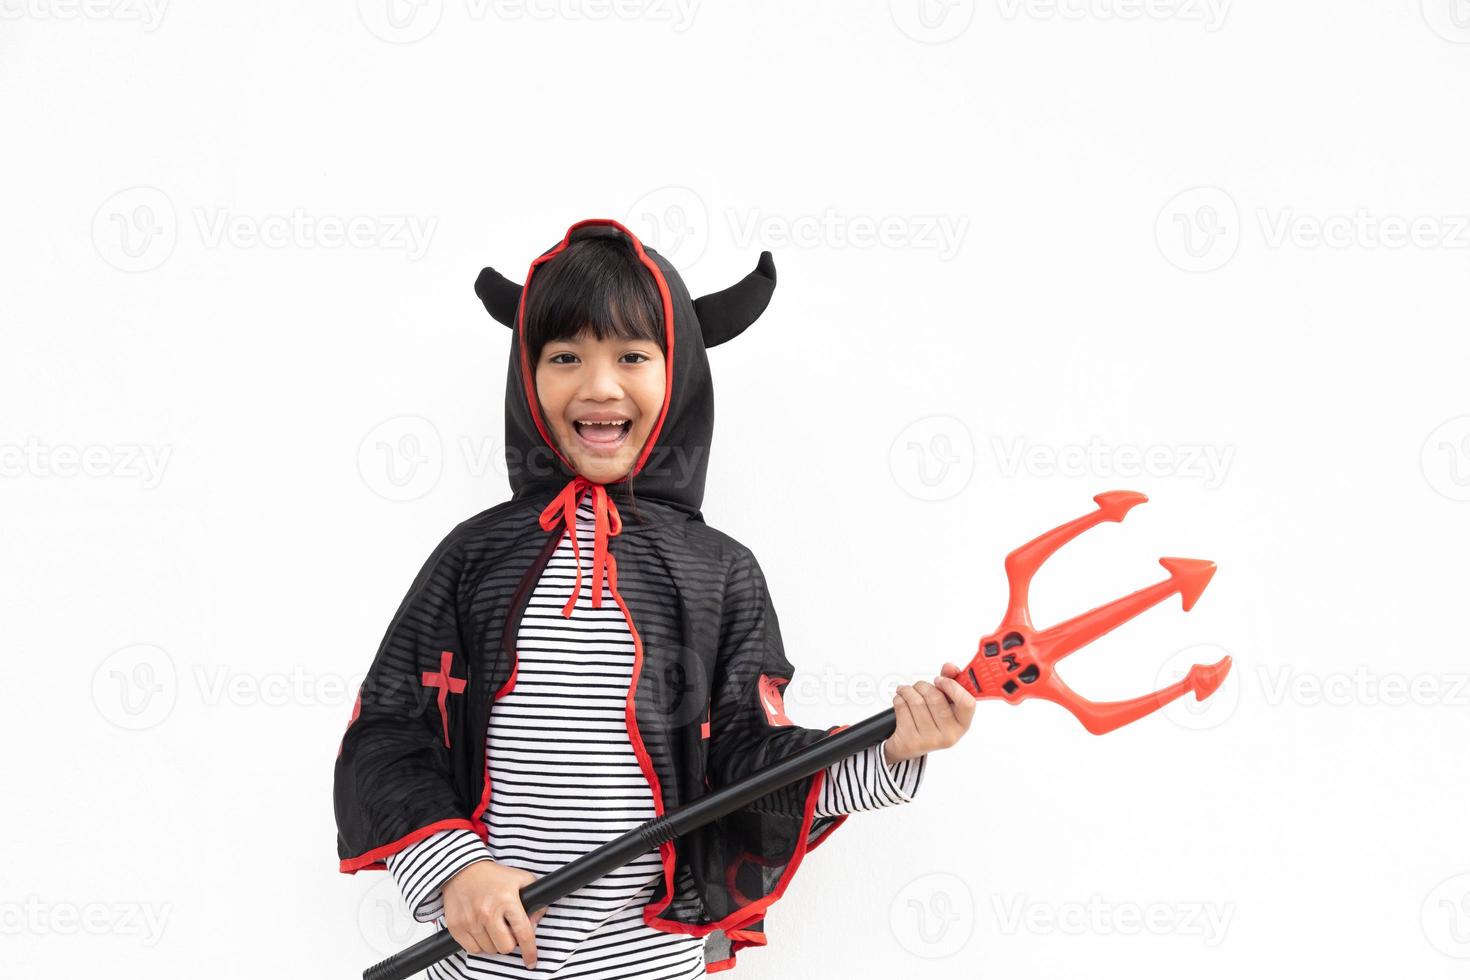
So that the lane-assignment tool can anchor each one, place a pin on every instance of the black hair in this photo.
(597, 284)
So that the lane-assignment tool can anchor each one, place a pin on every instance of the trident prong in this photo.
(1016, 661)
(1187, 576)
(1101, 717)
(1021, 564)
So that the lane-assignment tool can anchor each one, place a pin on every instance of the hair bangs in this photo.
(596, 286)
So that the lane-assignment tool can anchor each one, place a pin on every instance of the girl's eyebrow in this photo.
(616, 341)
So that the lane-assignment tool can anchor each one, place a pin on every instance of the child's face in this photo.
(582, 382)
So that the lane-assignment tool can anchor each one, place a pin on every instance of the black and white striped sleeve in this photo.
(866, 782)
(422, 868)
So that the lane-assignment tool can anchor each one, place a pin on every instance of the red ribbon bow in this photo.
(606, 523)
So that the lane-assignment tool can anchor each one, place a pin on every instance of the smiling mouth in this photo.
(603, 435)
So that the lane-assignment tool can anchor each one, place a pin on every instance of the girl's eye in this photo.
(567, 357)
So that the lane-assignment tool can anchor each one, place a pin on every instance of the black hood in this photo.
(671, 468)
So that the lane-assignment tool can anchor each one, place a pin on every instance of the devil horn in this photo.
(725, 315)
(499, 294)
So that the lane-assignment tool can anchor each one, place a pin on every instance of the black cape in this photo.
(704, 708)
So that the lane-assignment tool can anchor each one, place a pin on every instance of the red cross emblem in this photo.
(447, 685)
(770, 695)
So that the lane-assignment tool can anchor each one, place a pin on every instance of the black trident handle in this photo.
(647, 836)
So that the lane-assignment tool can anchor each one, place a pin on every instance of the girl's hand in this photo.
(483, 911)
(930, 716)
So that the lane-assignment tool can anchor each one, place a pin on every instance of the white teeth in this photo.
(588, 422)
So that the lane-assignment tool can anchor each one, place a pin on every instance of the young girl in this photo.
(576, 660)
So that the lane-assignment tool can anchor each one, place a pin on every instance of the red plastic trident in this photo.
(1016, 661)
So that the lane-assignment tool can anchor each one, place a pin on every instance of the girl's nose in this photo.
(600, 383)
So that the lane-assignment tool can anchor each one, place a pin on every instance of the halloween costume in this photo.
(701, 695)
(566, 779)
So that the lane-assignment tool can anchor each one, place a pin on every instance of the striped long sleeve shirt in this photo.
(567, 780)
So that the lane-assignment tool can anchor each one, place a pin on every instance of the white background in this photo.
(1228, 239)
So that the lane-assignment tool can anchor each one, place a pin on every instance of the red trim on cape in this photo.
(734, 923)
(645, 762)
(739, 937)
(506, 688)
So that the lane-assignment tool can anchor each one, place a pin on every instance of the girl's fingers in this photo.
(947, 729)
(922, 711)
(480, 933)
(465, 938)
(901, 709)
(500, 933)
(963, 700)
(905, 731)
(525, 935)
